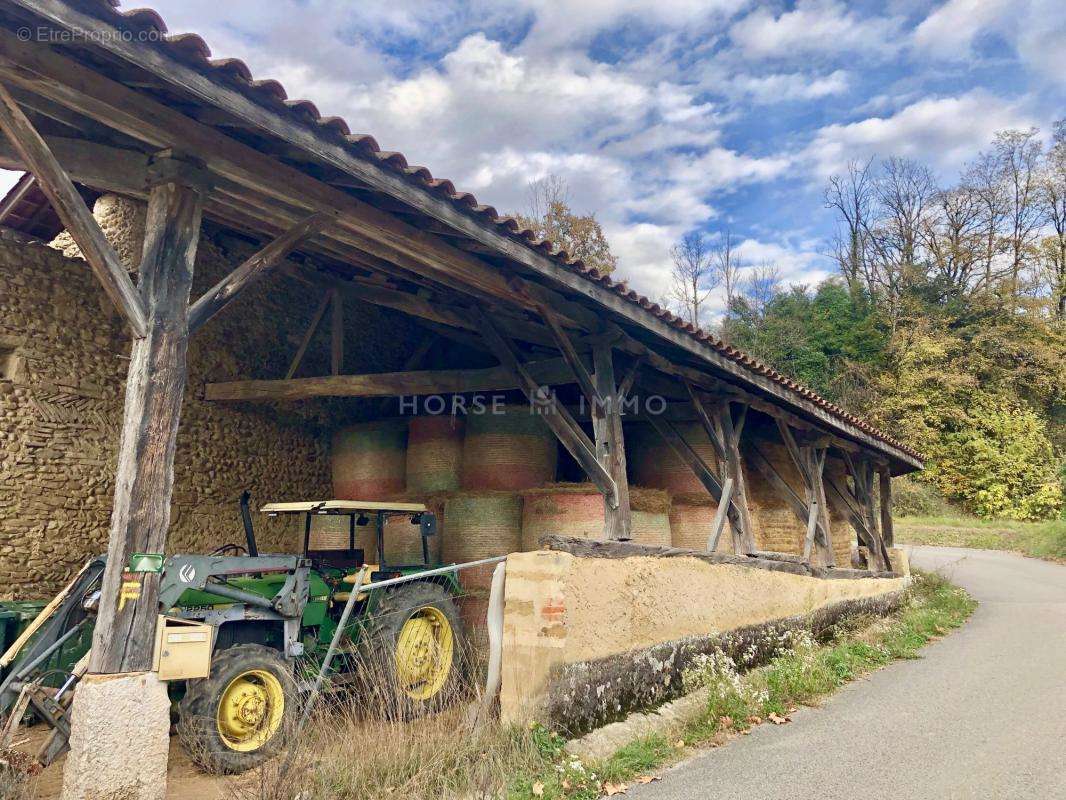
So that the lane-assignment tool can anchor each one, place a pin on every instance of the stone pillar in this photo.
(122, 221)
(114, 714)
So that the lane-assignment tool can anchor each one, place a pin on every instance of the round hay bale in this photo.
(654, 463)
(690, 527)
(650, 527)
(403, 541)
(434, 453)
(369, 460)
(481, 525)
(574, 509)
(650, 516)
(330, 532)
(507, 451)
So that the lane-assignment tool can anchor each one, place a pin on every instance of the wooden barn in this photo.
(289, 309)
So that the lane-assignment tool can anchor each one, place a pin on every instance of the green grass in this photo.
(802, 674)
(1037, 539)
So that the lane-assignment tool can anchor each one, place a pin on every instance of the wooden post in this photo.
(610, 443)
(743, 527)
(336, 339)
(125, 628)
(887, 532)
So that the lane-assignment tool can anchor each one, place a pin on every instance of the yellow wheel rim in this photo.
(424, 653)
(250, 710)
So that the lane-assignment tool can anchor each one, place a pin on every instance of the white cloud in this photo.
(784, 86)
(7, 180)
(813, 28)
(1036, 29)
(942, 131)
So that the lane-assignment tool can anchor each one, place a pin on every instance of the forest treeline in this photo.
(946, 321)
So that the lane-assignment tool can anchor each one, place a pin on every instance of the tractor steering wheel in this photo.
(230, 549)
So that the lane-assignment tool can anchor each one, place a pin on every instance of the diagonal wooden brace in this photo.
(254, 269)
(74, 214)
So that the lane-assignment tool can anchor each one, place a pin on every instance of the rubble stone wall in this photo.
(63, 361)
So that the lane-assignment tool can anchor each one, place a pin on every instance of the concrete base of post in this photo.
(119, 739)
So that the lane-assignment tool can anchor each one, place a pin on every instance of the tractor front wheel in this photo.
(416, 650)
(235, 719)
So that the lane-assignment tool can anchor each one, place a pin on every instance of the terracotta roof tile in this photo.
(193, 50)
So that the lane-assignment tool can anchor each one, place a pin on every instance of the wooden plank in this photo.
(718, 525)
(391, 384)
(254, 269)
(305, 342)
(124, 635)
(887, 530)
(566, 348)
(72, 211)
(812, 530)
(610, 443)
(558, 418)
(336, 335)
(51, 75)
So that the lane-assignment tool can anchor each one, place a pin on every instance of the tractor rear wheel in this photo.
(415, 642)
(236, 718)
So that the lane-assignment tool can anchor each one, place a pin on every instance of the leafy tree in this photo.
(550, 217)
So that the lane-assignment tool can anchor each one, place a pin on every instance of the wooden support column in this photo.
(724, 434)
(887, 532)
(125, 628)
(610, 443)
(810, 464)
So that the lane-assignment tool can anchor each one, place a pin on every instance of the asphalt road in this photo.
(982, 714)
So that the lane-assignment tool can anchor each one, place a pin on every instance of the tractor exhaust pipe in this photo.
(249, 532)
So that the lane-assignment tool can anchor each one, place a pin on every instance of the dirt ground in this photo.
(184, 780)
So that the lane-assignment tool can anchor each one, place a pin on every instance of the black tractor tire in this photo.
(199, 726)
(384, 677)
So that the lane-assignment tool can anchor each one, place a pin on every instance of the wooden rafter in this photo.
(72, 211)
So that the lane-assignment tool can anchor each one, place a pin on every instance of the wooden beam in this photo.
(336, 335)
(123, 639)
(254, 269)
(743, 527)
(720, 515)
(390, 384)
(887, 529)
(630, 378)
(557, 417)
(810, 463)
(72, 211)
(309, 334)
(610, 442)
(581, 373)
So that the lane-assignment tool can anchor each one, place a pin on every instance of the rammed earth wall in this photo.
(63, 360)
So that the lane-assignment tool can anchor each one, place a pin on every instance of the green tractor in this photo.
(244, 637)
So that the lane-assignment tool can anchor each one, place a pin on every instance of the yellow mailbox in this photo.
(182, 649)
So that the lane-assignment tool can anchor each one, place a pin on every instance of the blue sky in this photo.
(663, 115)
